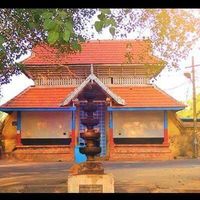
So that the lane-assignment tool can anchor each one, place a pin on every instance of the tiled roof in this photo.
(97, 52)
(52, 97)
(39, 97)
(145, 96)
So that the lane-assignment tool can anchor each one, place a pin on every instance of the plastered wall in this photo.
(180, 139)
(45, 124)
(138, 124)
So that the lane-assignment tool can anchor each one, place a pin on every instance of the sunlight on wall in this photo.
(138, 124)
(46, 124)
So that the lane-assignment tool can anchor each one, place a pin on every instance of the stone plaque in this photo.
(89, 188)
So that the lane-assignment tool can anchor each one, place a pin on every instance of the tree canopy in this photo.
(173, 32)
(188, 111)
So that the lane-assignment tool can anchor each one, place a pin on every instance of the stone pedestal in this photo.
(91, 183)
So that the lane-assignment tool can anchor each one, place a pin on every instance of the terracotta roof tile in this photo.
(96, 52)
(146, 96)
(39, 97)
(52, 97)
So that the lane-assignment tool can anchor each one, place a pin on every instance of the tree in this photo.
(172, 31)
(188, 111)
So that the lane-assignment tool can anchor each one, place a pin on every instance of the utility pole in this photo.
(195, 142)
(191, 76)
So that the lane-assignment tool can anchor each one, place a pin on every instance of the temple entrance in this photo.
(99, 114)
(102, 97)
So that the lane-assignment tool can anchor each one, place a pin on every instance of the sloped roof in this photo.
(97, 52)
(39, 97)
(146, 96)
(53, 97)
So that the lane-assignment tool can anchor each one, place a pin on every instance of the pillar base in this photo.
(91, 183)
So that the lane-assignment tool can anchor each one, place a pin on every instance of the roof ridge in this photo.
(131, 86)
(18, 95)
(165, 93)
(119, 40)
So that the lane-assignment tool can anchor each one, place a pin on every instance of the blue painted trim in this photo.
(111, 120)
(165, 120)
(18, 120)
(144, 109)
(39, 109)
(73, 122)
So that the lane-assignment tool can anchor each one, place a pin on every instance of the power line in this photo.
(194, 66)
(177, 86)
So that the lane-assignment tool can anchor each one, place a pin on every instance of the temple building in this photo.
(136, 117)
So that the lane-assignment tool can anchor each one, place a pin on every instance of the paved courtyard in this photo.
(130, 177)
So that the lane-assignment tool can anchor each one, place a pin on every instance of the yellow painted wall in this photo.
(9, 133)
(180, 140)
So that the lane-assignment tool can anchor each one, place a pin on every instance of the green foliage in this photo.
(52, 37)
(68, 26)
(105, 11)
(49, 24)
(2, 40)
(98, 26)
(104, 21)
(112, 30)
(76, 45)
(188, 111)
(66, 35)
(47, 15)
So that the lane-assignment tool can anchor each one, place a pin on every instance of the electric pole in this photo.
(195, 142)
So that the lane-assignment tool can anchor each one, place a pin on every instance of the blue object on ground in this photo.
(79, 157)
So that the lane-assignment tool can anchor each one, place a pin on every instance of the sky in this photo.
(172, 82)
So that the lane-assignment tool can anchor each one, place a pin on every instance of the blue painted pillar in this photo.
(111, 129)
(18, 128)
(73, 125)
(166, 137)
(79, 157)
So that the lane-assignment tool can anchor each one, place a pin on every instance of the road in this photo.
(130, 177)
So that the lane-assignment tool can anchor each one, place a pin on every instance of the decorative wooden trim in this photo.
(92, 77)
(105, 80)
